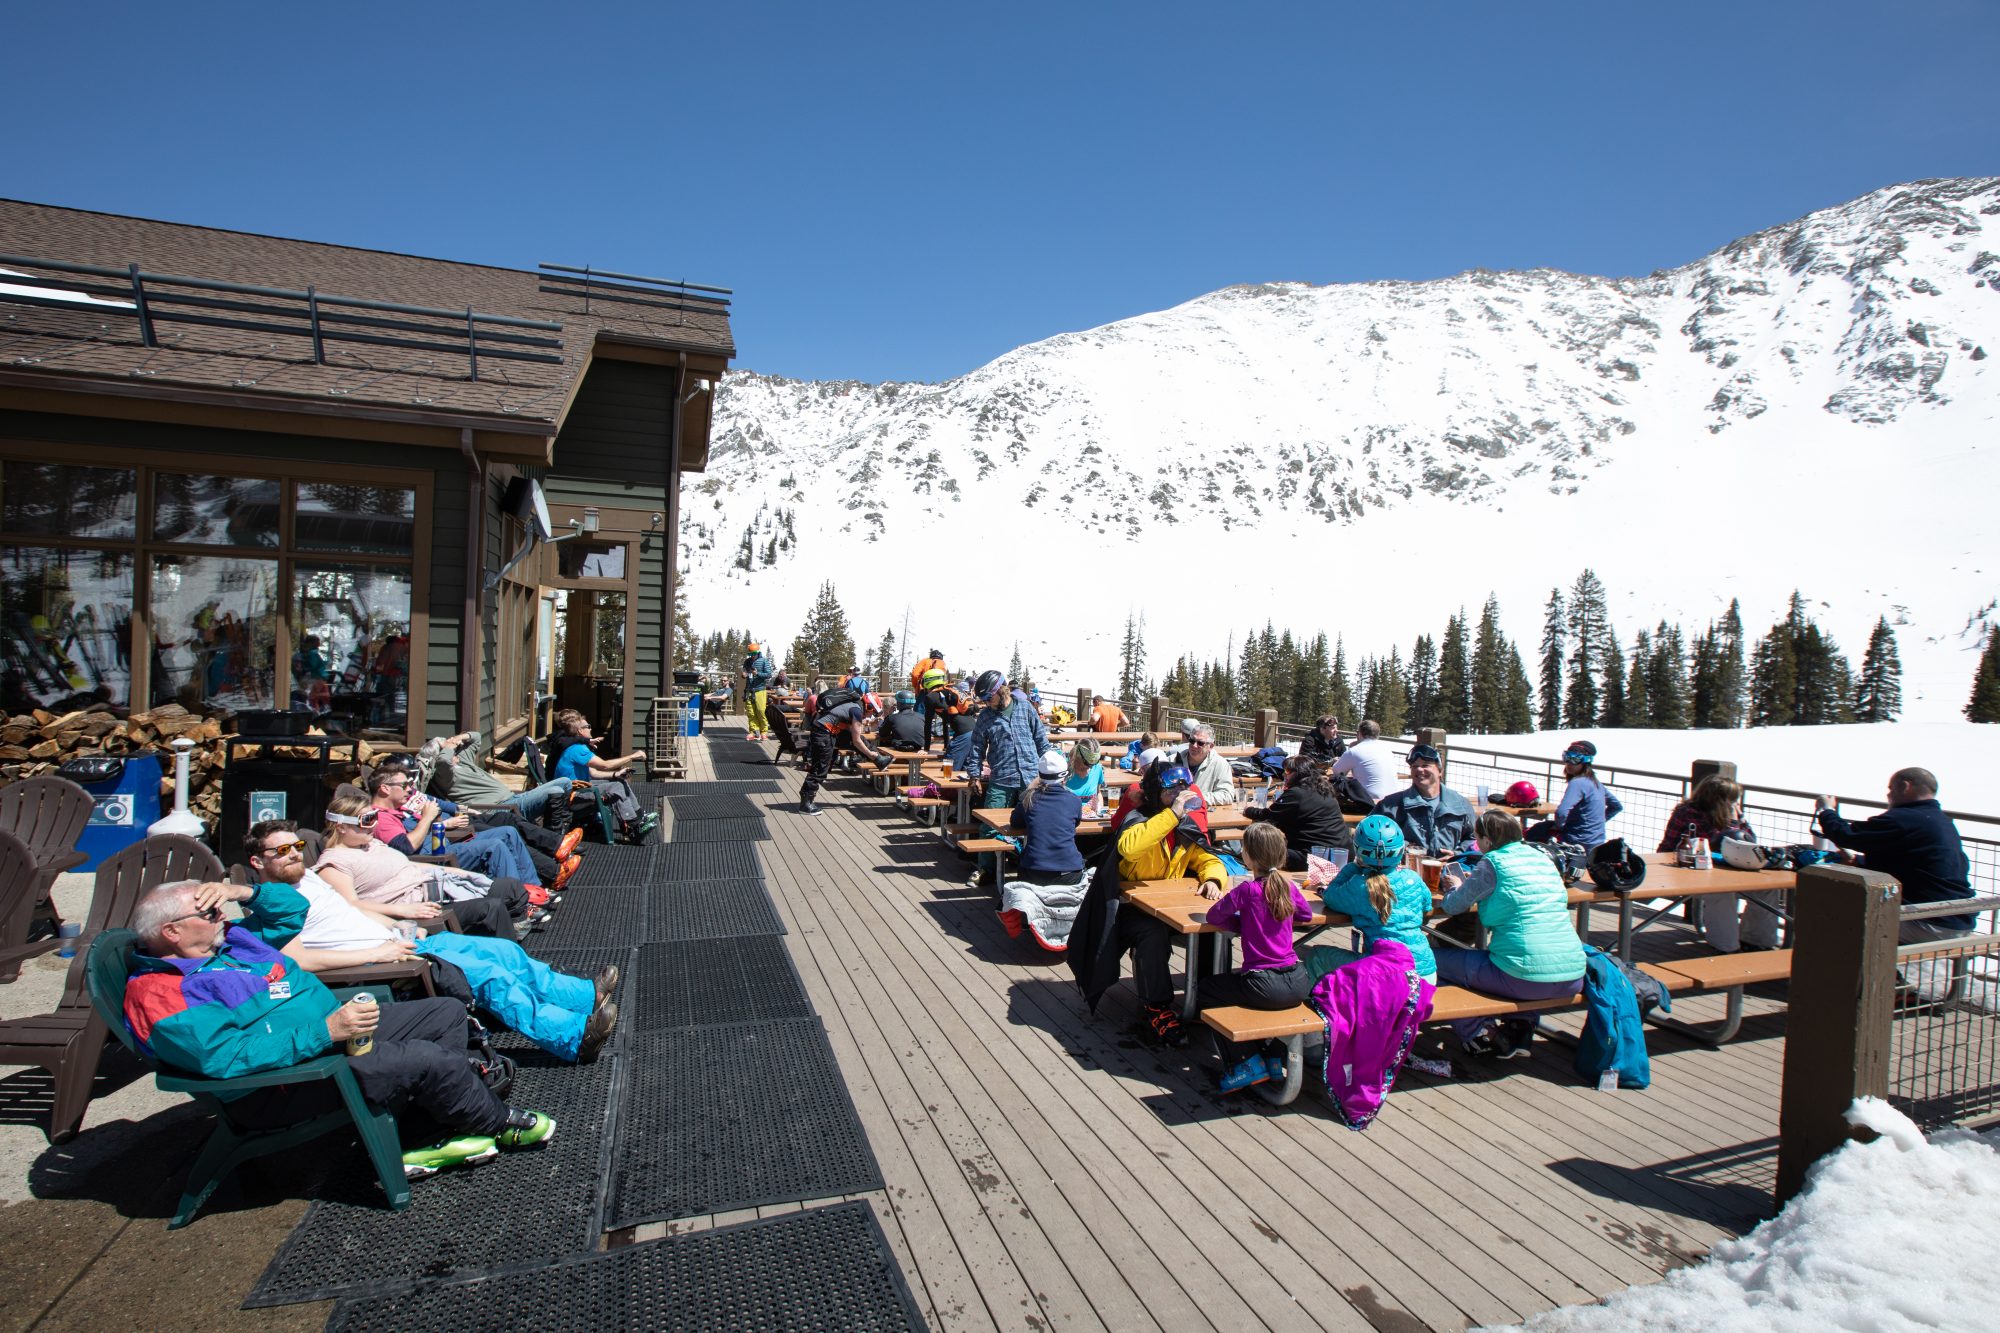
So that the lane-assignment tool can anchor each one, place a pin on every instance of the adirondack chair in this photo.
(361, 974)
(107, 965)
(69, 1042)
(48, 815)
(19, 875)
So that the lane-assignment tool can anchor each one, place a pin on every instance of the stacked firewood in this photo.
(39, 741)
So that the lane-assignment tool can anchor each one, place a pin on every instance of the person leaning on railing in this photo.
(1915, 841)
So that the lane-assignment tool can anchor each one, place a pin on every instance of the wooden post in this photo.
(1267, 728)
(1156, 715)
(1843, 993)
(1083, 707)
(1709, 768)
(1435, 738)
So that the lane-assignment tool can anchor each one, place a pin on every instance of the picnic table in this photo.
(1676, 884)
(1221, 817)
(1101, 737)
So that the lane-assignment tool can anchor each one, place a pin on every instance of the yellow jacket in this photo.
(1143, 854)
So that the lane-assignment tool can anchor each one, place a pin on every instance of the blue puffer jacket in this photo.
(1011, 739)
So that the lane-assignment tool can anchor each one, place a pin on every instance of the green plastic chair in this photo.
(107, 966)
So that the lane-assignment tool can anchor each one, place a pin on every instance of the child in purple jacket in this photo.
(1264, 911)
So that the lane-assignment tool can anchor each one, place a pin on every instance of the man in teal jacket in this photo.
(217, 998)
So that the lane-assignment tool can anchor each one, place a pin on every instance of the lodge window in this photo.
(243, 583)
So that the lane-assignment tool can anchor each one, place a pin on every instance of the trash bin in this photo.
(125, 795)
(692, 706)
(276, 777)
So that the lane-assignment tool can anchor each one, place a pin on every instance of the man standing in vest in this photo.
(756, 685)
(926, 676)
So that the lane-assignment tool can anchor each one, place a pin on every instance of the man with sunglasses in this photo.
(570, 1017)
(1212, 774)
(218, 998)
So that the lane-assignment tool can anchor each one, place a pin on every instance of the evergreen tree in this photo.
(1555, 626)
(882, 671)
(1880, 695)
(1489, 670)
(1666, 679)
(1638, 694)
(1285, 677)
(1774, 680)
(824, 643)
(1453, 711)
(687, 650)
(1132, 660)
(1984, 705)
(1423, 683)
(1339, 693)
(1732, 683)
(1314, 670)
(1704, 692)
(1583, 697)
(1395, 706)
(1017, 673)
(1612, 712)
(1517, 711)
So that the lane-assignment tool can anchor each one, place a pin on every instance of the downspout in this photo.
(470, 632)
(670, 557)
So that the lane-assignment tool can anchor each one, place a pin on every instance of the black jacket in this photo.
(1307, 818)
(1316, 746)
(1918, 845)
(902, 730)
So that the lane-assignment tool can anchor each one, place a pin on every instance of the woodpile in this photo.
(39, 741)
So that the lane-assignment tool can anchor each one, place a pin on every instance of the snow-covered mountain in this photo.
(1811, 406)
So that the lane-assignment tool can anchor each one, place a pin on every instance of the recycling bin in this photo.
(125, 798)
(277, 777)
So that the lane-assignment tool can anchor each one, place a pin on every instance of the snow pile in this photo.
(1890, 1235)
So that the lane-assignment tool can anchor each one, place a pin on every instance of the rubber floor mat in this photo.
(592, 917)
(719, 830)
(711, 909)
(729, 1117)
(697, 982)
(821, 1268)
(707, 860)
(539, 1203)
(727, 805)
(615, 865)
(718, 787)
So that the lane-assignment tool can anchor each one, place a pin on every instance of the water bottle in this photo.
(1703, 858)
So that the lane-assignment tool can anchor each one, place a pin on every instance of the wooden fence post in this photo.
(1156, 715)
(1709, 768)
(1083, 698)
(1843, 993)
(1267, 728)
(1435, 738)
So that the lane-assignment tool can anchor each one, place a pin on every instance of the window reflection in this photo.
(57, 499)
(339, 516)
(215, 511)
(65, 628)
(591, 560)
(351, 657)
(215, 628)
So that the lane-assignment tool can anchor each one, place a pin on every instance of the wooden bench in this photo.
(1719, 972)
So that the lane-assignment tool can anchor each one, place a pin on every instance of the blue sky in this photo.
(907, 191)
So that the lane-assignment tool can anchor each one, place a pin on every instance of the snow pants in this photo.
(547, 1007)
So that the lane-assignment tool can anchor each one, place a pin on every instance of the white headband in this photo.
(333, 818)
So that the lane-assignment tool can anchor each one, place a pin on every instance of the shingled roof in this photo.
(101, 340)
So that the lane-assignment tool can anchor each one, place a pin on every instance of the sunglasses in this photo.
(296, 845)
(206, 914)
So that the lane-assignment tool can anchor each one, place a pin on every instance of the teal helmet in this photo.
(1378, 843)
(906, 699)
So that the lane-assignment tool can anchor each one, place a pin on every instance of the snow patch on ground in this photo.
(1888, 1236)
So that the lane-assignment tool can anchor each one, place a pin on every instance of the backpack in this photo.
(1270, 761)
(1060, 716)
(834, 698)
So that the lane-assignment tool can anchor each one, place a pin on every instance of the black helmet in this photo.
(988, 682)
(1617, 867)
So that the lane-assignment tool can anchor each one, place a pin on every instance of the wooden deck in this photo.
(1046, 1170)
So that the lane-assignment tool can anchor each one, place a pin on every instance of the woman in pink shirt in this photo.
(1263, 911)
(383, 877)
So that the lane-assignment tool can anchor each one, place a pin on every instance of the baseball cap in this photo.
(1053, 765)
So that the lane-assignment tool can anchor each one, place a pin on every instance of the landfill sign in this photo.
(266, 805)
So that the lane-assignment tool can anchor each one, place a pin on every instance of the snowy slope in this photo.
(1811, 406)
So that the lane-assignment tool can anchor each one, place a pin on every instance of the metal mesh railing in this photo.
(1944, 1042)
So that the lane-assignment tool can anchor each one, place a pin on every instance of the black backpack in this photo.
(834, 698)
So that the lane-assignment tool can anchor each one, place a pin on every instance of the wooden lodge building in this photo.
(277, 474)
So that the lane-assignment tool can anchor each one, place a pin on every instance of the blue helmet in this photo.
(906, 699)
(1175, 775)
(1378, 843)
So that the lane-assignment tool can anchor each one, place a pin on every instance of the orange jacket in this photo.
(1107, 716)
(928, 664)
